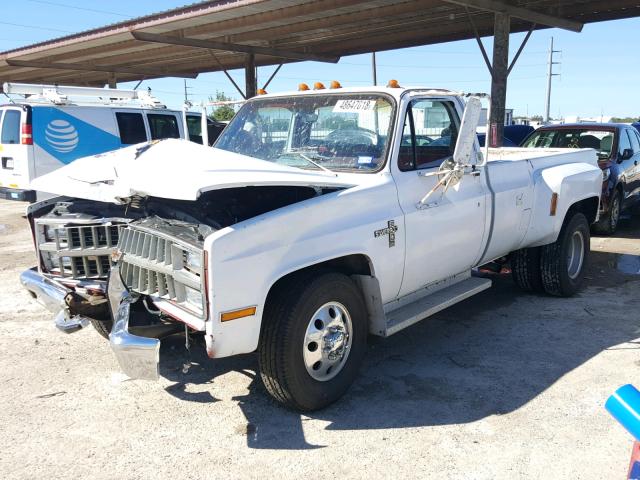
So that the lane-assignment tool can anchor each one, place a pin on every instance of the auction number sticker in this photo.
(354, 106)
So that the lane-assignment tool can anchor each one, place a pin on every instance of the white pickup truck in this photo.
(320, 217)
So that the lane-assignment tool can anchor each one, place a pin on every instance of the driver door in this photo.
(444, 236)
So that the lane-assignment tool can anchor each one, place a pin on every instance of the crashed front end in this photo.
(127, 252)
(159, 268)
(74, 242)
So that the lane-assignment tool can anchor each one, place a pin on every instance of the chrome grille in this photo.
(77, 251)
(155, 265)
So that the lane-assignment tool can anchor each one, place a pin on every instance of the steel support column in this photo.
(500, 71)
(251, 83)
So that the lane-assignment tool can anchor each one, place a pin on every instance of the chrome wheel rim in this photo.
(327, 341)
(575, 255)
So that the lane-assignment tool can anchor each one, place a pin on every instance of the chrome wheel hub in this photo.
(575, 255)
(327, 341)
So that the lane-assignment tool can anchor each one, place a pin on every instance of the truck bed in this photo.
(542, 157)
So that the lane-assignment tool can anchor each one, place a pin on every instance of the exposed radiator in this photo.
(77, 251)
(157, 265)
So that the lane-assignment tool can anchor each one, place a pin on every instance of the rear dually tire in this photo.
(563, 261)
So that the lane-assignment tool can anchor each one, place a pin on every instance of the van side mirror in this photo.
(467, 135)
(627, 153)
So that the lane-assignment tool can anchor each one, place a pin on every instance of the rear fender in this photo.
(564, 186)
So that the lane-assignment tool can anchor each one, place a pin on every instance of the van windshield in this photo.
(334, 131)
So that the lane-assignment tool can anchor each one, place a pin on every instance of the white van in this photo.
(45, 129)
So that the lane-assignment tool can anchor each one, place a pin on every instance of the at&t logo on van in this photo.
(61, 136)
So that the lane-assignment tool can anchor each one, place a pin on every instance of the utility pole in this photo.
(374, 69)
(550, 75)
(186, 95)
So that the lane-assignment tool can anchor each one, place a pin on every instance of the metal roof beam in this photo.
(97, 68)
(233, 47)
(522, 13)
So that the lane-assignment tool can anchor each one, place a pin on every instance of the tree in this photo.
(223, 112)
(536, 118)
(625, 119)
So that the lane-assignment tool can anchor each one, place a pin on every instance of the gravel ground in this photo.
(503, 385)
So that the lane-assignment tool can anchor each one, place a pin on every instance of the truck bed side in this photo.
(523, 183)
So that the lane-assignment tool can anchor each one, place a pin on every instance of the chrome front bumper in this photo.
(138, 356)
(52, 296)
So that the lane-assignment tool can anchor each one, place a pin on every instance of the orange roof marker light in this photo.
(261, 91)
(335, 84)
(303, 87)
(393, 84)
(318, 86)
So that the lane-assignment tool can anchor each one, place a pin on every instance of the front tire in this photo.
(103, 327)
(609, 224)
(563, 261)
(313, 340)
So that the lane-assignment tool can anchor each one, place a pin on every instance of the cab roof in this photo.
(396, 92)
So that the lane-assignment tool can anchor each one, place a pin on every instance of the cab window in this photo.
(11, 127)
(194, 125)
(430, 134)
(163, 126)
(131, 127)
(635, 145)
(623, 143)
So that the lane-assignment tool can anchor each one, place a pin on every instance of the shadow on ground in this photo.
(488, 355)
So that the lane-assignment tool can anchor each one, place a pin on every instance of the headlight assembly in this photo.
(193, 299)
(193, 262)
(50, 232)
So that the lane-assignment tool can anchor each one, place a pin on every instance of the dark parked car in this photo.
(505, 141)
(636, 125)
(513, 135)
(618, 149)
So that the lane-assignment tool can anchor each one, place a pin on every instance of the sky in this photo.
(598, 68)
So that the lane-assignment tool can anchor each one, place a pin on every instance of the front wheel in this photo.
(103, 327)
(313, 340)
(563, 261)
(609, 224)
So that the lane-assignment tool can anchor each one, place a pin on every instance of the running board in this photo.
(432, 304)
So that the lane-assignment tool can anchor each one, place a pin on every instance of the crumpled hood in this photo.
(172, 168)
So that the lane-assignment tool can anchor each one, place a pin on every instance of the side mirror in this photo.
(627, 153)
(467, 135)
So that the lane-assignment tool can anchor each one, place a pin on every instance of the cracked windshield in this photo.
(318, 132)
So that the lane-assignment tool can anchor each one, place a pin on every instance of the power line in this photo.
(56, 4)
(36, 27)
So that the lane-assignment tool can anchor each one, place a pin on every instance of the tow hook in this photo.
(68, 323)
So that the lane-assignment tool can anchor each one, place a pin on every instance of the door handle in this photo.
(7, 163)
(424, 206)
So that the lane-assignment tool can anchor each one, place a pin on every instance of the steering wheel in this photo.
(246, 143)
(353, 136)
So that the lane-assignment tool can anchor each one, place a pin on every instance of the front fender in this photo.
(247, 259)
(572, 183)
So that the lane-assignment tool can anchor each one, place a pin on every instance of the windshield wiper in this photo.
(313, 162)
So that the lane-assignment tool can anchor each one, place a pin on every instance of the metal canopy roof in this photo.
(216, 35)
